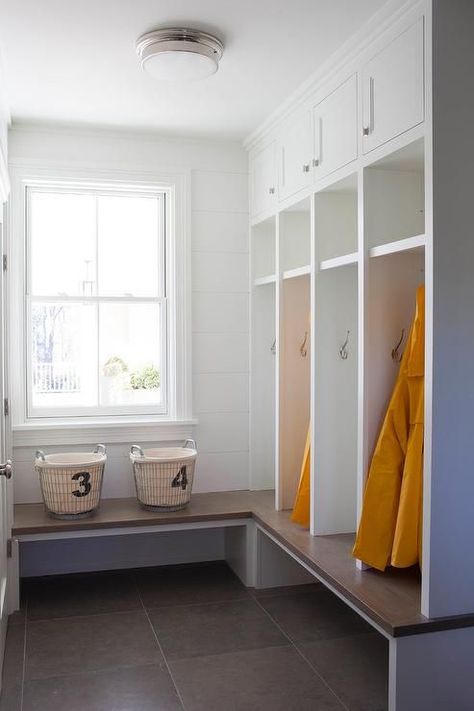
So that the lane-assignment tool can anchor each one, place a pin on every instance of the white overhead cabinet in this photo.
(295, 152)
(393, 89)
(335, 129)
(263, 181)
(312, 143)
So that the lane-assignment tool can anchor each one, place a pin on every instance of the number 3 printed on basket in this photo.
(84, 483)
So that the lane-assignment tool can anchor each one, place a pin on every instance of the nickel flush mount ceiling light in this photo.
(179, 53)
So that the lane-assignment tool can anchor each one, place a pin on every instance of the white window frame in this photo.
(152, 426)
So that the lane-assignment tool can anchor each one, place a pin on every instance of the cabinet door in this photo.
(295, 155)
(335, 129)
(393, 89)
(263, 180)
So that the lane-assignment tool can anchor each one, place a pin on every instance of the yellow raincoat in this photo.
(390, 526)
(301, 508)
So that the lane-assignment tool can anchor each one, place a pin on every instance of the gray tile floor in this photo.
(188, 637)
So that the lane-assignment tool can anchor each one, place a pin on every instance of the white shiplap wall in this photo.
(220, 328)
(219, 226)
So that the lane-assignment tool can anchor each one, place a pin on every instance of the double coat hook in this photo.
(343, 350)
(303, 347)
(396, 354)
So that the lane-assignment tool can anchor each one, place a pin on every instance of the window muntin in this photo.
(97, 312)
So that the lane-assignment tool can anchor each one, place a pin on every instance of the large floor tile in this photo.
(199, 630)
(18, 617)
(182, 585)
(314, 615)
(10, 699)
(275, 679)
(355, 667)
(12, 673)
(147, 688)
(71, 595)
(80, 644)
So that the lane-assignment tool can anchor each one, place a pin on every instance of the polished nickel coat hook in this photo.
(343, 350)
(303, 347)
(396, 355)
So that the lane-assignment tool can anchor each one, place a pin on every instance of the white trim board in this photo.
(131, 530)
(297, 272)
(4, 177)
(335, 262)
(31, 435)
(180, 327)
(401, 245)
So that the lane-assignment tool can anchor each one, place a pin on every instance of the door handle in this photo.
(370, 127)
(6, 469)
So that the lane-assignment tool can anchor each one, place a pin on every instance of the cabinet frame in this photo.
(447, 585)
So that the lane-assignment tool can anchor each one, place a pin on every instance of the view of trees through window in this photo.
(96, 301)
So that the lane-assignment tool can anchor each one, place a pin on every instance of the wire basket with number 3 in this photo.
(71, 482)
(164, 475)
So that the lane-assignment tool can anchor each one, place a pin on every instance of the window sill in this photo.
(125, 431)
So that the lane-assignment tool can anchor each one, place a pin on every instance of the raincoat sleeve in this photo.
(380, 509)
(301, 510)
(390, 529)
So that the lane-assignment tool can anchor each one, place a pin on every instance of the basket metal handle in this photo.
(40, 455)
(100, 449)
(191, 442)
(136, 449)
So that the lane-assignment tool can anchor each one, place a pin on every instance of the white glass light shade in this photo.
(179, 66)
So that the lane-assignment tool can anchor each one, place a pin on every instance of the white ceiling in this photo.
(73, 61)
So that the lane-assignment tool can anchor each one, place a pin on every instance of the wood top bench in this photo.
(391, 599)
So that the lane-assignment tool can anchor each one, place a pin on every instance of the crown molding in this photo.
(116, 132)
(372, 30)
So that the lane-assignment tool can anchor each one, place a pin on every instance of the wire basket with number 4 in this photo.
(164, 475)
(71, 482)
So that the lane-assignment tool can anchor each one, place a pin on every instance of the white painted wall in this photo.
(4, 120)
(448, 554)
(4, 123)
(219, 224)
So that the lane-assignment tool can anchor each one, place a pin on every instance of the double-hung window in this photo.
(97, 307)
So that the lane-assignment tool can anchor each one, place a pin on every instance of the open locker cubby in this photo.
(295, 239)
(294, 384)
(391, 300)
(394, 196)
(335, 216)
(294, 267)
(263, 250)
(335, 401)
(263, 382)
